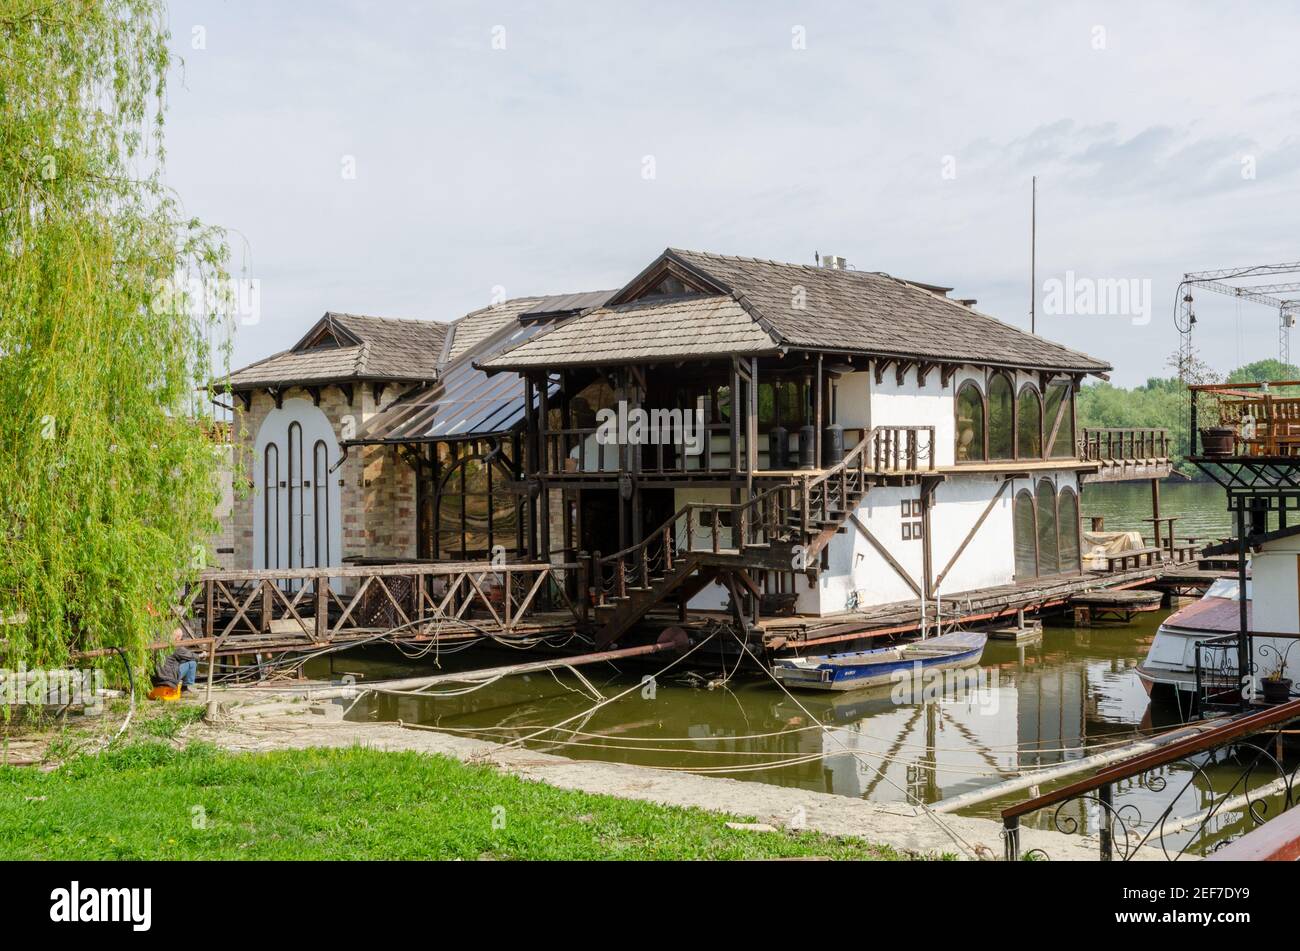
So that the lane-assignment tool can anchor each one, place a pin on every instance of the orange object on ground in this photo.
(165, 693)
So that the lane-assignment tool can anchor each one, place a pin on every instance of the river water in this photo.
(1024, 707)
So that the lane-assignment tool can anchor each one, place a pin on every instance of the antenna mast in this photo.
(1033, 255)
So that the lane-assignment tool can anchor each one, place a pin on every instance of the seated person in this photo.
(179, 669)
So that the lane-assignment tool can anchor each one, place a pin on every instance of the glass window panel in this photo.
(1069, 530)
(1026, 537)
(1058, 396)
(449, 513)
(1029, 428)
(449, 544)
(476, 477)
(1048, 562)
(970, 424)
(1000, 415)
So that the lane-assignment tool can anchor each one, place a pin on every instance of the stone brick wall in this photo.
(377, 491)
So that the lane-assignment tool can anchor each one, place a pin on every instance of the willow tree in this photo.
(107, 477)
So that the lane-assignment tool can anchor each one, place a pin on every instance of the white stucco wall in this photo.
(859, 573)
(1275, 572)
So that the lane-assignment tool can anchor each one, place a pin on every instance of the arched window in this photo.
(970, 423)
(1001, 417)
(475, 510)
(1048, 552)
(1029, 424)
(271, 506)
(1026, 536)
(1068, 507)
(1060, 403)
(320, 508)
(295, 495)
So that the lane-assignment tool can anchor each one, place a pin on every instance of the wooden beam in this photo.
(1065, 407)
(922, 371)
(884, 553)
(971, 534)
(947, 373)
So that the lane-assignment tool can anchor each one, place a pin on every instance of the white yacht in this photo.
(1169, 670)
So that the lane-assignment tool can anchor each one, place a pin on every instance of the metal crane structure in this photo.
(1284, 296)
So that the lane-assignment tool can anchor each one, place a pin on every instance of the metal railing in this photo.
(1229, 744)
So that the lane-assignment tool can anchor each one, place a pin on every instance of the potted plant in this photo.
(1275, 683)
(1217, 440)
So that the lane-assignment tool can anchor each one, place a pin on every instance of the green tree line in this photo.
(1164, 402)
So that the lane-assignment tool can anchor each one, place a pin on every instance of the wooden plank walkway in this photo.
(984, 604)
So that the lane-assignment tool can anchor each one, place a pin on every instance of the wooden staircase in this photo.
(784, 527)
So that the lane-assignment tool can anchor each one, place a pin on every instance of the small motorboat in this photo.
(884, 665)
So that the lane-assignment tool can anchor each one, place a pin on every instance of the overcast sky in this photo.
(557, 147)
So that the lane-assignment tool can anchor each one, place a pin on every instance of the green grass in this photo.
(151, 801)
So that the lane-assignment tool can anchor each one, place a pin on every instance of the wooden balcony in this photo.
(1123, 455)
(1246, 421)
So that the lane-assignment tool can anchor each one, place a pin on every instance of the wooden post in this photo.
(751, 430)
(735, 417)
(584, 585)
(1155, 512)
(322, 608)
(264, 625)
(817, 417)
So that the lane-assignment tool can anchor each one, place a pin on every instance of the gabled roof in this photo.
(476, 326)
(341, 347)
(465, 402)
(653, 328)
(789, 305)
(877, 314)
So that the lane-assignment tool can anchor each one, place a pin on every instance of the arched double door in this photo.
(296, 520)
(1046, 526)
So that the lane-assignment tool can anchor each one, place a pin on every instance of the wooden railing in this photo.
(802, 509)
(578, 451)
(296, 608)
(1123, 445)
(1263, 418)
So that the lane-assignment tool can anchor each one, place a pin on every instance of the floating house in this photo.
(720, 434)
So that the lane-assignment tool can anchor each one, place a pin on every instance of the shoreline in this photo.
(901, 827)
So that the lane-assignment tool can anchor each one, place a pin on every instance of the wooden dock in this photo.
(1093, 606)
(972, 607)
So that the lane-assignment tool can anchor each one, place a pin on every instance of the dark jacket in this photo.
(169, 672)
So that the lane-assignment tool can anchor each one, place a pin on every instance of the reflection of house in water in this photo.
(1034, 715)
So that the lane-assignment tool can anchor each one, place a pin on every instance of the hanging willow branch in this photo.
(107, 477)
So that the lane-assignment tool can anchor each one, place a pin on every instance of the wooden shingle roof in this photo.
(786, 305)
(654, 328)
(876, 314)
(342, 347)
(476, 326)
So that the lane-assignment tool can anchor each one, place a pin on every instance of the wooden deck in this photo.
(985, 604)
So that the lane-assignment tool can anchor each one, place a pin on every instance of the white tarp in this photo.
(1098, 546)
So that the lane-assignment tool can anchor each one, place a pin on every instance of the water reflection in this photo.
(1025, 706)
